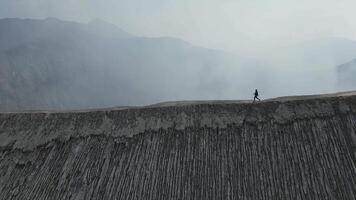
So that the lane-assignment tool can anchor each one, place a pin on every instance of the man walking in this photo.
(256, 96)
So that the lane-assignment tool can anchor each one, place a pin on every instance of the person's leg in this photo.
(254, 99)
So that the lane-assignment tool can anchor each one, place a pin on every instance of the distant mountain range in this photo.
(54, 64)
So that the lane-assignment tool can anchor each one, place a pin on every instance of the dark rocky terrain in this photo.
(287, 148)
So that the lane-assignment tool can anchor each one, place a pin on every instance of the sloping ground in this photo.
(297, 148)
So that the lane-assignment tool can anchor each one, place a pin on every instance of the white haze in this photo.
(234, 25)
(276, 32)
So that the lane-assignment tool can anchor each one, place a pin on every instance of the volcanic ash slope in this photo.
(289, 148)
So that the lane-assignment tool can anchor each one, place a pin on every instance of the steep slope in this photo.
(289, 148)
(53, 64)
(346, 75)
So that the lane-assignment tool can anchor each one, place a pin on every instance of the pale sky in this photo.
(232, 25)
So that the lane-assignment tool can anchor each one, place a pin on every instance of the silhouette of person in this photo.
(256, 96)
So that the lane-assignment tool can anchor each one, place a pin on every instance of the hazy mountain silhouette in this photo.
(54, 64)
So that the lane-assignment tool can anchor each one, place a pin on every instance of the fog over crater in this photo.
(86, 54)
